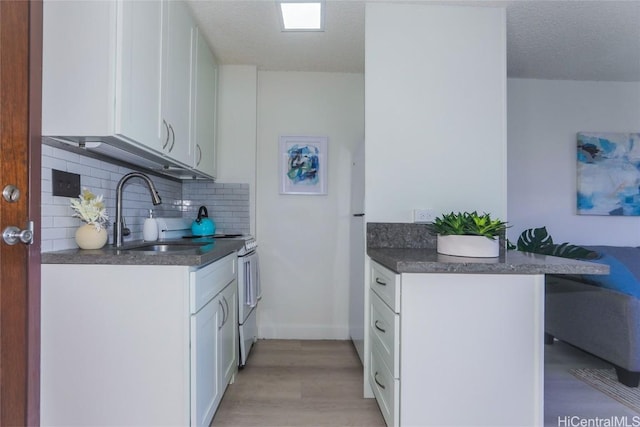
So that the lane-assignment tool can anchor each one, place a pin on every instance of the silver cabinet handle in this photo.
(380, 282)
(223, 315)
(173, 138)
(166, 141)
(384, 331)
(375, 378)
(226, 316)
(199, 154)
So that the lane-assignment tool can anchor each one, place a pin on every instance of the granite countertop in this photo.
(427, 260)
(211, 250)
(411, 248)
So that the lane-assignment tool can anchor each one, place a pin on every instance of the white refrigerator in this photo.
(357, 250)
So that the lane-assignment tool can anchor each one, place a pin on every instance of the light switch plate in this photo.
(65, 184)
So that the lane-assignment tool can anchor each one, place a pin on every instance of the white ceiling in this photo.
(546, 39)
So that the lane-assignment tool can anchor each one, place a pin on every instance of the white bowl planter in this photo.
(468, 246)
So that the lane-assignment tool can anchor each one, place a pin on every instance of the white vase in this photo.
(88, 237)
(468, 246)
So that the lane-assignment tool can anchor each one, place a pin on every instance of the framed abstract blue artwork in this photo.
(303, 165)
(608, 173)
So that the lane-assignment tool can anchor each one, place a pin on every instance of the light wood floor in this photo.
(566, 396)
(319, 383)
(299, 383)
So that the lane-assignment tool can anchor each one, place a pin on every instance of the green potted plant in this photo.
(469, 234)
(539, 241)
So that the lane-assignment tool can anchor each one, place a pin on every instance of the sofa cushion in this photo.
(624, 265)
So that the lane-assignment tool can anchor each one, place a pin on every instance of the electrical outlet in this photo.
(65, 184)
(423, 215)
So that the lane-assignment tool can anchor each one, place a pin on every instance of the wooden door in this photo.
(20, 105)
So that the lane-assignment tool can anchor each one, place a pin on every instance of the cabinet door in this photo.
(205, 103)
(78, 67)
(384, 330)
(205, 384)
(228, 344)
(386, 284)
(138, 80)
(179, 29)
(385, 387)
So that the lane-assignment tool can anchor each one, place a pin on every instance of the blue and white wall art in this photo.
(608, 173)
(303, 165)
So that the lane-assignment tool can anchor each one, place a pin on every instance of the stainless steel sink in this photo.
(164, 247)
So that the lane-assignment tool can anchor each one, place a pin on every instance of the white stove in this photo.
(249, 291)
(176, 228)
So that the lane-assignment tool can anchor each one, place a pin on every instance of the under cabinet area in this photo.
(137, 344)
(141, 77)
(439, 342)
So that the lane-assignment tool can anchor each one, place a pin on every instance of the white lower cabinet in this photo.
(456, 349)
(385, 387)
(384, 336)
(137, 344)
(214, 348)
(228, 346)
(205, 379)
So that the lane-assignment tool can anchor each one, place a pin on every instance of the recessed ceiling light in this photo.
(301, 15)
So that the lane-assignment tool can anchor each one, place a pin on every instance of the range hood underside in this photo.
(115, 150)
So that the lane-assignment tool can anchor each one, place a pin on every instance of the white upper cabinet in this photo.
(179, 30)
(130, 70)
(138, 77)
(205, 104)
(78, 85)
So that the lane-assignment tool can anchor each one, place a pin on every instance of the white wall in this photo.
(543, 119)
(304, 240)
(236, 138)
(435, 110)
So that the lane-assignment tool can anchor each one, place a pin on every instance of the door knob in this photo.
(12, 235)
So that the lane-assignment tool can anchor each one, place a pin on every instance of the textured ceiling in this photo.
(571, 39)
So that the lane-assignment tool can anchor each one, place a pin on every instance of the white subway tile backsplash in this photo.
(46, 222)
(66, 222)
(53, 163)
(54, 233)
(46, 246)
(227, 203)
(62, 244)
(229, 211)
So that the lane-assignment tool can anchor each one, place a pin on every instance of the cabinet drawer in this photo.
(386, 284)
(386, 389)
(208, 281)
(384, 330)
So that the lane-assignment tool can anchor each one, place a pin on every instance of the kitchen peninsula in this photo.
(456, 341)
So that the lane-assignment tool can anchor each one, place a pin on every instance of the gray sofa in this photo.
(601, 321)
